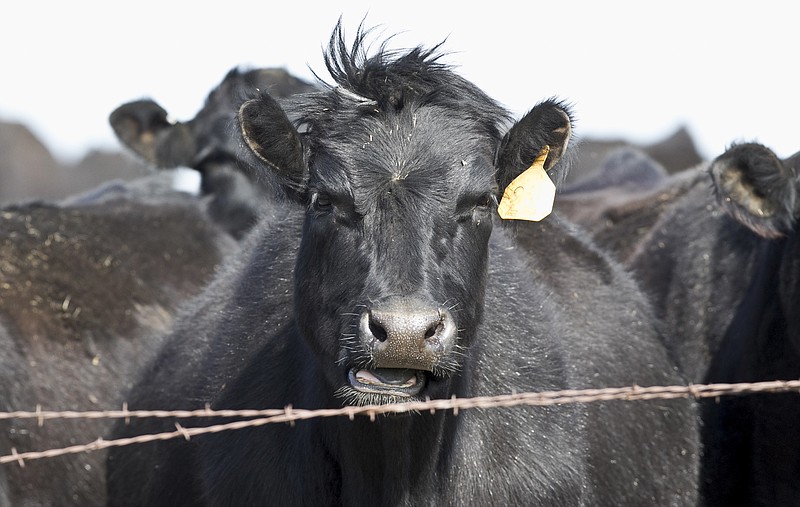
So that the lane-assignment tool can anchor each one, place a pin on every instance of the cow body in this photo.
(86, 291)
(736, 318)
(715, 247)
(390, 278)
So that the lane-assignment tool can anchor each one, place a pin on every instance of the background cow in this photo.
(86, 290)
(390, 279)
(621, 200)
(715, 247)
(207, 142)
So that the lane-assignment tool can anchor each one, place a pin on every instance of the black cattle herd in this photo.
(345, 249)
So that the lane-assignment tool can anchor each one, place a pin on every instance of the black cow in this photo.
(680, 242)
(737, 317)
(86, 290)
(390, 279)
(716, 247)
(206, 142)
(756, 451)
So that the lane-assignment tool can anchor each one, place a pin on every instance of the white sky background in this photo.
(631, 69)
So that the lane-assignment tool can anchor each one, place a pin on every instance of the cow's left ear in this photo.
(143, 126)
(548, 124)
(756, 188)
(272, 138)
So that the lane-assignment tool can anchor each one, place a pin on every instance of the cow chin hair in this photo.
(449, 365)
(358, 399)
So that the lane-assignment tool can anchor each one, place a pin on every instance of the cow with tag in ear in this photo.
(389, 278)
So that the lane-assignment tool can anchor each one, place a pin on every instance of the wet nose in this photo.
(407, 333)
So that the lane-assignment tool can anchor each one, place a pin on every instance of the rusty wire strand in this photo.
(290, 414)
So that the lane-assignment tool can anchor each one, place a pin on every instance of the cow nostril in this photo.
(377, 331)
(433, 330)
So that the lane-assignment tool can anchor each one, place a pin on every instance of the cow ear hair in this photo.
(549, 124)
(272, 138)
(143, 126)
(756, 188)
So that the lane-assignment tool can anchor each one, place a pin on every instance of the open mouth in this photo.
(388, 381)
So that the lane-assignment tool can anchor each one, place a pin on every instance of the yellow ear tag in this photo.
(530, 196)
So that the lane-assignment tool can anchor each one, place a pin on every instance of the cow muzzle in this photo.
(405, 333)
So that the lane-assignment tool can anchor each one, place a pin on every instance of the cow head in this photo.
(206, 142)
(400, 166)
(759, 190)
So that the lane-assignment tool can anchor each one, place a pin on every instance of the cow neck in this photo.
(743, 337)
(395, 458)
(387, 460)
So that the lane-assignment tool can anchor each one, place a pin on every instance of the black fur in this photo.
(396, 222)
(87, 290)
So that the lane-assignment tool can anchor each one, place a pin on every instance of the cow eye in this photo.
(321, 202)
(475, 206)
(486, 202)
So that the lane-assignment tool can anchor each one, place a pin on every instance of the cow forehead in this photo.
(423, 150)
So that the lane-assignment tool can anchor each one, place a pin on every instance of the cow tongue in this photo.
(396, 377)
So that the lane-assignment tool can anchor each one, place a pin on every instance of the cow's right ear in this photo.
(270, 135)
(756, 188)
(143, 126)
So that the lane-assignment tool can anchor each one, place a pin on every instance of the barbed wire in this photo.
(290, 414)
